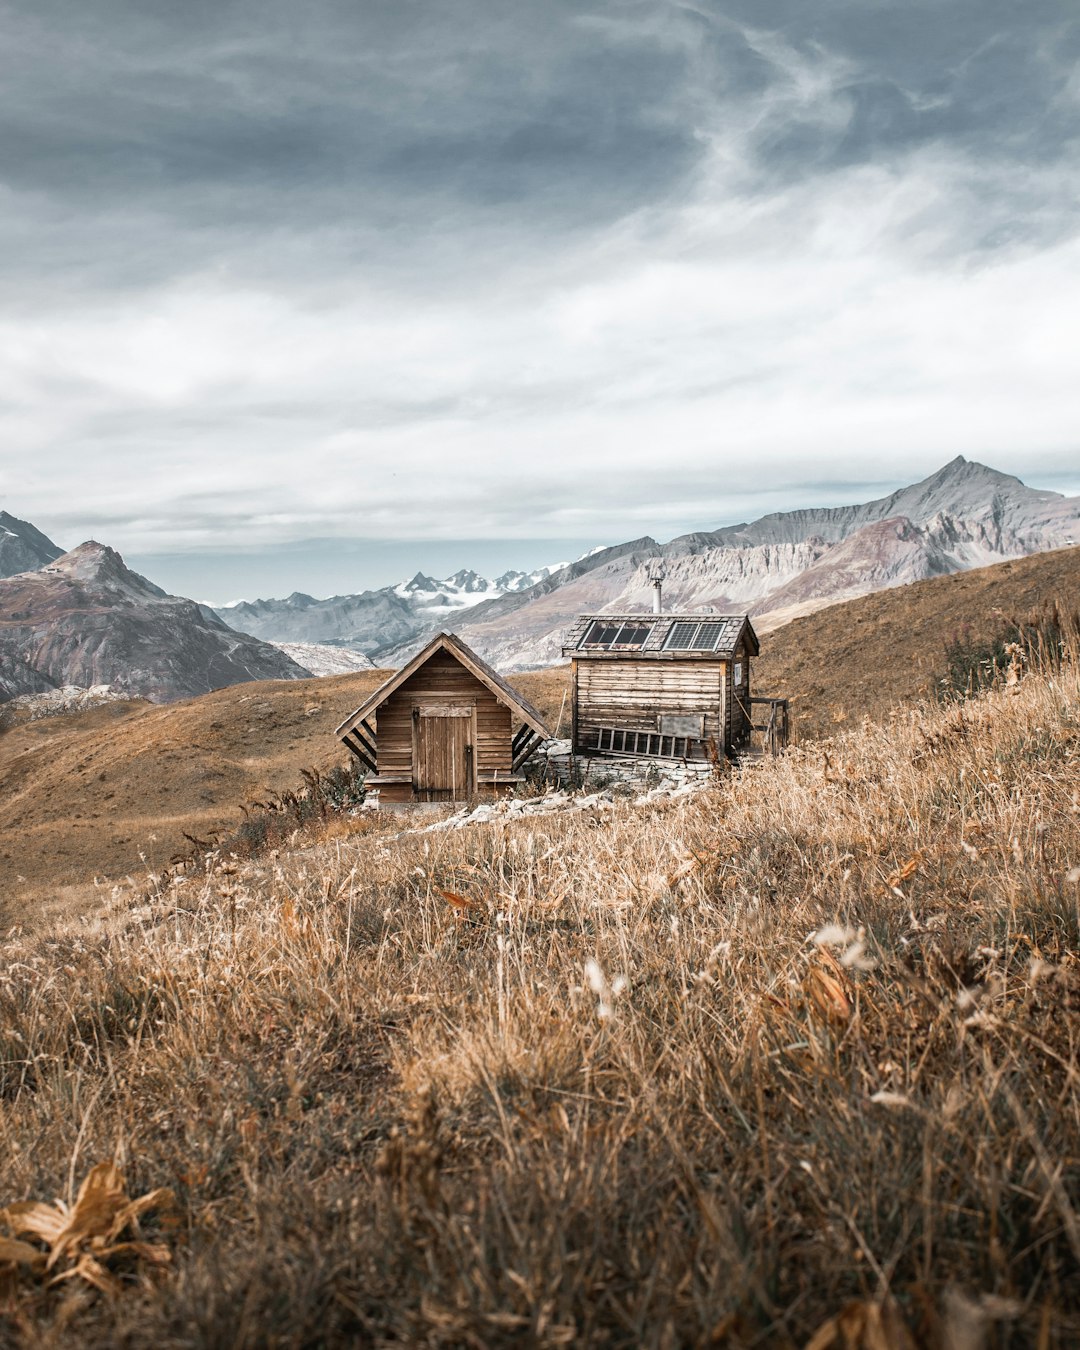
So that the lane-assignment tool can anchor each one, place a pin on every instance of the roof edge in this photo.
(475, 664)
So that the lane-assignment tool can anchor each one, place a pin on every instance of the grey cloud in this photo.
(146, 141)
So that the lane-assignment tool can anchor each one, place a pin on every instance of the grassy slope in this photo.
(106, 792)
(861, 658)
(385, 1123)
(95, 793)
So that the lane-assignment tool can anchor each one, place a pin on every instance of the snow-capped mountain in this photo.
(373, 622)
(778, 567)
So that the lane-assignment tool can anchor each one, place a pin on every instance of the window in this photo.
(686, 637)
(615, 633)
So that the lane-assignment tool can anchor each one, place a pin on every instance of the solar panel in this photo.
(694, 637)
(681, 637)
(600, 634)
(633, 634)
(616, 633)
(708, 635)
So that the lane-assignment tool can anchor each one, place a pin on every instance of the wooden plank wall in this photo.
(740, 704)
(630, 694)
(442, 680)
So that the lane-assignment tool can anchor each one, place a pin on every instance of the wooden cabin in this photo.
(446, 728)
(669, 686)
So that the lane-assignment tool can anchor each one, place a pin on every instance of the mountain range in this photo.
(84, 618)
(779, 567)
(376, 621)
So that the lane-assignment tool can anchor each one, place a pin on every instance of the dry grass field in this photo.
(104, 793)
(107, 792)
(791, 1062)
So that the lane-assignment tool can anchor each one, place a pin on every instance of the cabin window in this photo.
(686, 637)
(738, 676)
(605, 633)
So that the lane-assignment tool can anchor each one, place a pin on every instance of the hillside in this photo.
(861, 658)
(112, 790)
(94, 793)
(788, 1062)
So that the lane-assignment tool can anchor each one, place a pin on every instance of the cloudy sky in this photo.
(302, 294)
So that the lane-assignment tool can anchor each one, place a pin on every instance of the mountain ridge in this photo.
(23, 547)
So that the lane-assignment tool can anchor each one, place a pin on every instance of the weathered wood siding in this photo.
(442, 681)
(739, 730)
(635, 694)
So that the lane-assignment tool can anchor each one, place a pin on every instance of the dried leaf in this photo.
(100, 1198)
(904, 871)
(827, 993)
(42, 1221)
(85, 1234)
(864, 1326)
(14, 1252)
(461, 903)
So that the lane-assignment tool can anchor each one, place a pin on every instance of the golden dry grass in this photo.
(862, 658)
(626, 1098)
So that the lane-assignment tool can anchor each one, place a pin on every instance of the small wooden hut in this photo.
(446, 727)
(668, 686)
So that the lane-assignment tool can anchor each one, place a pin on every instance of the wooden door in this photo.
(443, 767)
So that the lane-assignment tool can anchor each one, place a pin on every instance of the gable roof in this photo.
(725, 632)
(474, 664)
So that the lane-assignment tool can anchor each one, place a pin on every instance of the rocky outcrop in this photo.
(86, 619)
(324, 660)
(22, 547)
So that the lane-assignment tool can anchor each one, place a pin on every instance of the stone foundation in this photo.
(593, 771)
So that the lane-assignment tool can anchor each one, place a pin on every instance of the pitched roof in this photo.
(724, 633)
(476, 665)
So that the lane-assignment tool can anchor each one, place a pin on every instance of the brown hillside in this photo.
(111, 790)
(96, 793)
(861, 658)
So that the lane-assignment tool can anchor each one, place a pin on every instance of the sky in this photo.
(311, 296)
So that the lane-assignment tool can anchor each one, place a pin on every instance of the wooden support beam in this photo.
(359, 750)
(524, 735)
(526, 750)
(368, 746)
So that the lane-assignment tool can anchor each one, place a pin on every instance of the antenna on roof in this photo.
(656, 572)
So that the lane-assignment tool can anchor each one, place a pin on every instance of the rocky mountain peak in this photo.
(420, 582)
(99, 566)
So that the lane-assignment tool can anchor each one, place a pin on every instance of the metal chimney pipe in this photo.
(656, 571)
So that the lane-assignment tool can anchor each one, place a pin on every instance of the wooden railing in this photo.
(776, 728)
